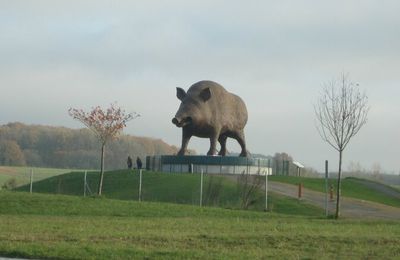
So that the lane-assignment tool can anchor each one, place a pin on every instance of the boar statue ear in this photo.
(180, 94)
(205, 94)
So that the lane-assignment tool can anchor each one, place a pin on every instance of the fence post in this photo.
(140, 185)
(201, 188)
(300, 190)
(266, 189)
(326, 187)
(269, 171)
(31, 181)
(84, 184)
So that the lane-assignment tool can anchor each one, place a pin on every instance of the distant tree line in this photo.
(282, 164)
(60, 147)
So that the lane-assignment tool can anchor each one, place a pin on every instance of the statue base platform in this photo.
(208, 164)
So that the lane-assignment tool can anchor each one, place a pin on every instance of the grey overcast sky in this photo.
(276, 55)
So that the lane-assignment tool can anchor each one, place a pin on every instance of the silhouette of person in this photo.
(129, 162)
(139, 163)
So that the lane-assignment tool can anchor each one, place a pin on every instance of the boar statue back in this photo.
(207, 110)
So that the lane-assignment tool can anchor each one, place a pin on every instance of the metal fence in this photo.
(203, 189)
(208, 164)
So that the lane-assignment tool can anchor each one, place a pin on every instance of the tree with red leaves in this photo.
(107, 124)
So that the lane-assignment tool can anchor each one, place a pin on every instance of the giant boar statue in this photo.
(207, 110)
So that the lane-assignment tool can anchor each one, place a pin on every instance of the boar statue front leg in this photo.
(213, 145)
(185, 140)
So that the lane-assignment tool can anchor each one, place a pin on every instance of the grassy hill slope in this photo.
(172, 188)
(351, 187)
(43, 226)
(22, 174)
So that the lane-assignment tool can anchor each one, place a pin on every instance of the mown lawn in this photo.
(45, 226)
(351, 187)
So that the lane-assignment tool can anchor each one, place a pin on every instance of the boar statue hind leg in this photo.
(222, 142)
(241, 140)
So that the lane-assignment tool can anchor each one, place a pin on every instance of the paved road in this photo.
(351, 208)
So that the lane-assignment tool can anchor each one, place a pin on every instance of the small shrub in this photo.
(10, 184)
(248, 188)
(213, 191)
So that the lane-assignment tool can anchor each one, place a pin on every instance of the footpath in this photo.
(350, 208)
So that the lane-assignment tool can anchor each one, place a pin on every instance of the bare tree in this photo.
(341, 111)
(376, 171)
(107, 124)
(355, 169)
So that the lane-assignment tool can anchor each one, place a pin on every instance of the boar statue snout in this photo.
(175, 121)
(182, 122)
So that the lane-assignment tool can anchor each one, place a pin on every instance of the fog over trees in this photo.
(60, 147)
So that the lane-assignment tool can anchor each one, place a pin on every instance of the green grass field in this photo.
(44, 226)
(171, 188)
(351, 187)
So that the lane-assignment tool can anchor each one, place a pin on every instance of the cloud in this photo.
(274, 54)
